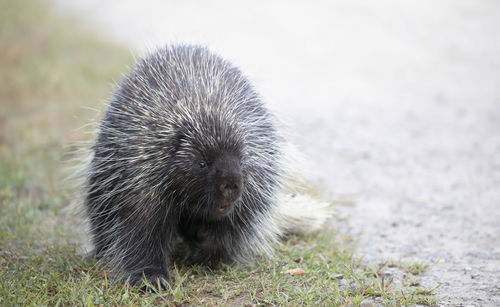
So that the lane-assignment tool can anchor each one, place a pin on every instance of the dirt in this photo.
(396, 105)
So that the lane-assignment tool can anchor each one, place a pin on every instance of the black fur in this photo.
(187, 152)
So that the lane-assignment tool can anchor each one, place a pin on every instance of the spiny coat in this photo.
(187, 151)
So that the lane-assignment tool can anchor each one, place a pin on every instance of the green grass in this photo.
(413, 268)
(52, 72)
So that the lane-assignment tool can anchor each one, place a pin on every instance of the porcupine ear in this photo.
(180, 136)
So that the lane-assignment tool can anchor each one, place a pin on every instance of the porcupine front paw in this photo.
(156, 277)
(212, 252)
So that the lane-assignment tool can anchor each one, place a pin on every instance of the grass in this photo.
(413, 268)
(51, 68)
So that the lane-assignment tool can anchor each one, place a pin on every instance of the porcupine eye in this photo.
(202, 164)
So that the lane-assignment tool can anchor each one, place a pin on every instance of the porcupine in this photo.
(187, 151)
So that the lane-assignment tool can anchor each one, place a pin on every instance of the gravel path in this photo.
(396, 104)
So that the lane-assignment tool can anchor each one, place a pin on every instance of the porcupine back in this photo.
(180, 104)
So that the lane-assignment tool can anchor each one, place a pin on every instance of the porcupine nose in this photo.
(231, 187)
(230, 181)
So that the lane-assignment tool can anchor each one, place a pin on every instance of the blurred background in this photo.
(396, 104)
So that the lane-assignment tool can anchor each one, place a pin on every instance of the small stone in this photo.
(387, 272)
(337, 276)
(366, 303)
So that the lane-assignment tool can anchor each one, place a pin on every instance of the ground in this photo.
(396, 105)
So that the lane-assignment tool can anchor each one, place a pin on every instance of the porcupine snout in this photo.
(229, 182)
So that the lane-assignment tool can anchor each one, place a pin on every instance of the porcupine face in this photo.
(208, 169)
(223, 181)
